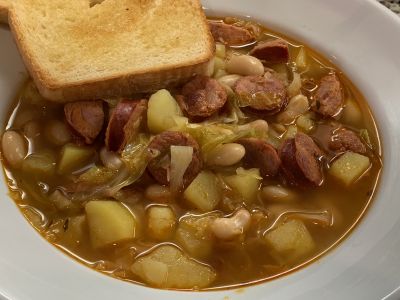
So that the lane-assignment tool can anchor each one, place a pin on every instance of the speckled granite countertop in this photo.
(393, 5)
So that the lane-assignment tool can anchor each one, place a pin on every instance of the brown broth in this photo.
(236, 263)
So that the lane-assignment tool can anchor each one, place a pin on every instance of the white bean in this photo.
(110, 159)
(229, 80)
(226, 155)
(32, 129)
(260, 126)
(229, 228)
(158, 193)
(57, 132)
(244, 65)
(277, 193)
(297, 106)
(14, 148)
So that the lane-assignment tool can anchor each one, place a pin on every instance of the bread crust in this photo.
(115, 85)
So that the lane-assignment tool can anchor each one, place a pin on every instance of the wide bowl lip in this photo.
(387, 13)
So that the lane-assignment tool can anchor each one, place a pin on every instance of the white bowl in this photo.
(362, 38)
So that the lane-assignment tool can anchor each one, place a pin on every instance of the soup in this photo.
(236, 177)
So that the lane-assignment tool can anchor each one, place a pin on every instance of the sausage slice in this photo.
(272, 52)
(86, 118)
(202, 97)
(328, 98)
(160, 163)
(230, 35)
(260, 154)
(124, 123)
(301, 163)
(346, 140)
(261, 93)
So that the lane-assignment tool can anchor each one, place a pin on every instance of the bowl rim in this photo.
(12, 293)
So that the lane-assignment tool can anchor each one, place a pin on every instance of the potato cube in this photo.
(168, 267)
(349, 167)
(161, 222)
(73, 158)
(290, 241)
(162, 112)
(204, 192)
(245, 183)
(351, 113)
(75, 231)
(109, 222)
(194, 235)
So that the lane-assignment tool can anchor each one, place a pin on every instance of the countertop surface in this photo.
(393, 5)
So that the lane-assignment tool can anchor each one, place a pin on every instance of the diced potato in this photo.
(39, 164)
(60, 201)
(245, 183)
(162, 112)
(351, 113)
(195, 236)
(75, 230)
(290, 241)
(304, 123)
(290, 132)
(349, 167)
(168, 267)
(109, 222)
(161, 222)
(204, 192)
(73, 158)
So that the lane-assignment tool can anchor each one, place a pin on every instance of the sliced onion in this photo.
(181, 157)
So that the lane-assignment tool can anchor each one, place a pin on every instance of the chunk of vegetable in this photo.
(161, 222)
(73, 158)
(194, 235)
(75, 231)
(245, 183)
(40, 164)
(305, 123)
(109, 222)
(60, 201)
(181, 157)
(290, 132)
(301, 58)
(162, 112)
(290, 241)
(220, 50)
(349, 167)
(204, 192)
(351, 113)
(167, 267)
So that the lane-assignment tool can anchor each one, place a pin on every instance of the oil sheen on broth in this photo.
(70, 193)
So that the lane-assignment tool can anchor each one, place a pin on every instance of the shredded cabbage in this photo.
(107, 182)
(181, 157)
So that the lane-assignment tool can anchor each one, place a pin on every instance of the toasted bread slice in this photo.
(75, 50)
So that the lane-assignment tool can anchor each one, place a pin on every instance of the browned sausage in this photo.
(265, 94)
(86, 118)
(301, 162)
(160, 163)
(124, 123)
(272, 52)
(346, 140)
(229, 34)
(328, 98)
(202, 97)
(260, 154)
